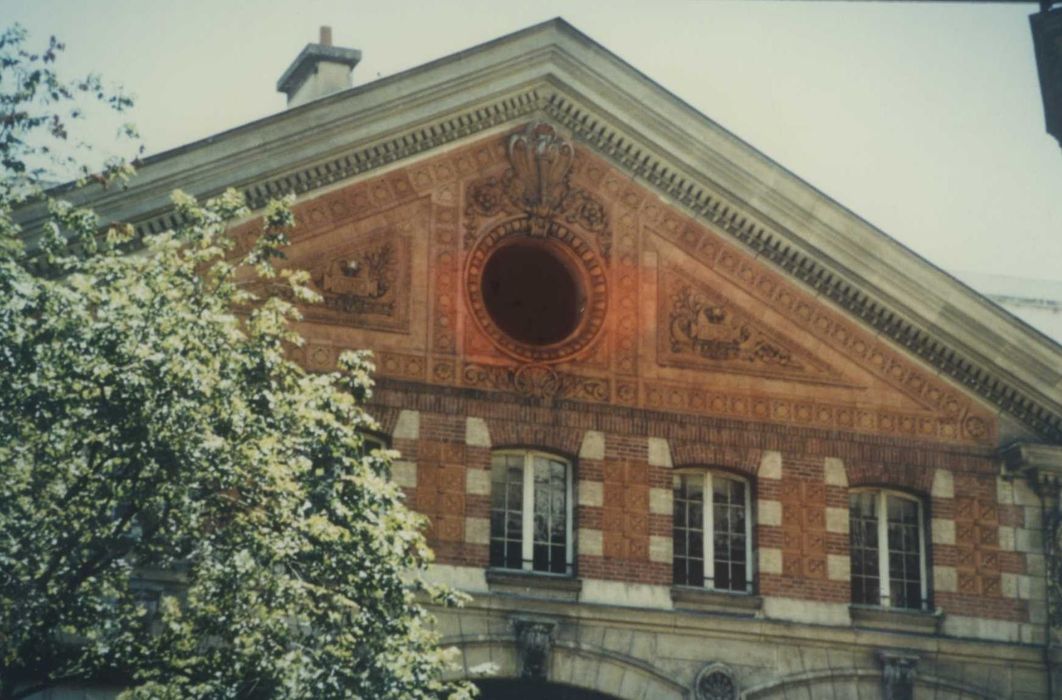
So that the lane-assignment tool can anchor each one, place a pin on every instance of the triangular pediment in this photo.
(900, 335)
(686, 321)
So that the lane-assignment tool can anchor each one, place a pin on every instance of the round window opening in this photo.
(531, 294)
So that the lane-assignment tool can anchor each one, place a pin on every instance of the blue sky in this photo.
(923, 118)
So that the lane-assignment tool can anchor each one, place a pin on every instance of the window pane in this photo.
(506, 514)
(688, 564)
(551, 512)
(728, 533)
(863, 540)
(905, 573)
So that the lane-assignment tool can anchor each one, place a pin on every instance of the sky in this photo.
(923, 118)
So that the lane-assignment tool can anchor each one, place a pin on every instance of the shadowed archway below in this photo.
(520, 689)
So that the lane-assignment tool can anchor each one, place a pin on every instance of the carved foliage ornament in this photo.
(537, 381)
(703, 329)
(537, 184)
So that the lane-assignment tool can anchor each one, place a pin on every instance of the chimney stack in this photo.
(319, 70)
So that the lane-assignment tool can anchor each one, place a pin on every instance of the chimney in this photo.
(320, 69)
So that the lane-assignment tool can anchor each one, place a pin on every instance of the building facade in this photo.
(683, 426)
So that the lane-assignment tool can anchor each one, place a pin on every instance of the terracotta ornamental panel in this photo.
(524, 264)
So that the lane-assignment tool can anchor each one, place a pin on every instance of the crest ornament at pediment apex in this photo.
(536, 186)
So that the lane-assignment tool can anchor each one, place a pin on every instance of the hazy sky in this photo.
(925, 119)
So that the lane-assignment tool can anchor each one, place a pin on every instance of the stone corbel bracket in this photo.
(897, 675)
(534, 643)
(1039, 464)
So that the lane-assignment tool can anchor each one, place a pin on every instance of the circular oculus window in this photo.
(540, 299)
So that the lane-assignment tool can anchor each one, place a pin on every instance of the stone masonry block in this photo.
(593, 446)
(1034, 517)
(770, 465)
(1004, 491)
(770, 560)
(1031, 588)
(838, 567)
(1009, 585)
(590, 542)
(1023, 494)
(477, 530)
(1028, 540)
(1037, 611)
(404, 473)
(834, 472)
(837, 520)
(943, 531)
(659, 453)
(660, 549)
(945, 579)
(407, 427)
(769, 513)
(943, 484)
(477, 482)
(1006, 538)
(476, 432)
(661, 501)
(591, 493)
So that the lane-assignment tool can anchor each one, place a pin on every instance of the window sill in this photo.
(707, 600)
(896, 619)
(533, 585)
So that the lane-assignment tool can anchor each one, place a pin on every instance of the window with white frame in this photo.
(531, 512)
(887, 532)
(712, 531)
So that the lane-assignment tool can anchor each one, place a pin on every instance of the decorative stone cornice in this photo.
(1040, 465)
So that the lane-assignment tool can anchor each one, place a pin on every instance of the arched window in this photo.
(531, 512)
(372, 441)
(712, 531)
(887, 532)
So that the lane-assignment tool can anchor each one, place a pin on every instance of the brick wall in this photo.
(982, 532)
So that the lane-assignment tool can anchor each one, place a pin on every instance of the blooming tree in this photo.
(184, 512)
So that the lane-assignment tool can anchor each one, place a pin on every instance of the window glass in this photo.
(720, 559)
(888, 556)
(530, 513)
